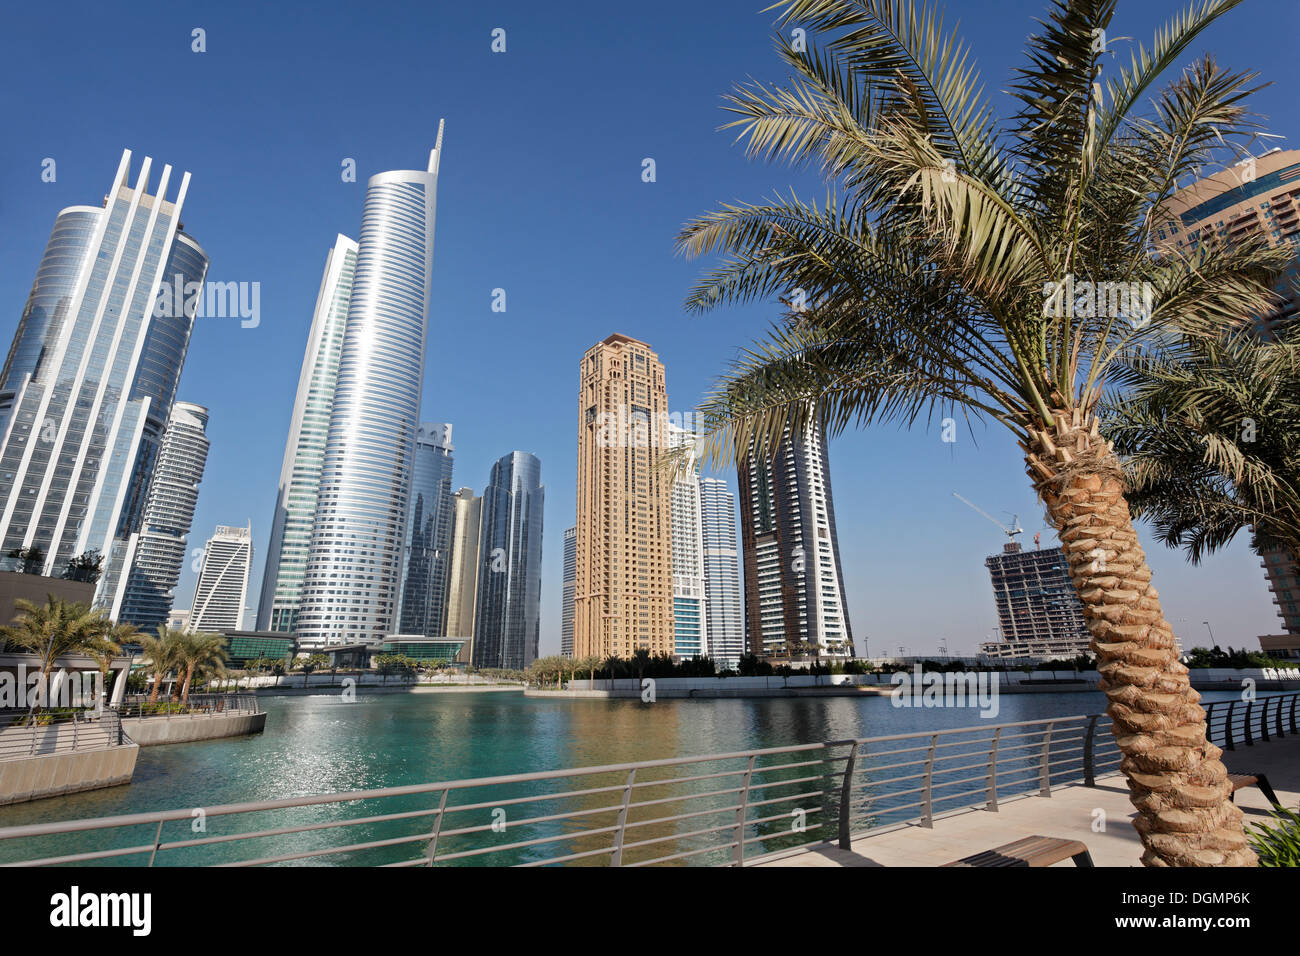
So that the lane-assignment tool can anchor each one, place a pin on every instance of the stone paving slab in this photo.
(1100, 816)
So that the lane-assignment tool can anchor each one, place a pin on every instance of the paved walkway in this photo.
(1075, 812)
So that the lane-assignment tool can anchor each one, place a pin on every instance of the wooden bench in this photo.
(1239, 780)
(1031, 851)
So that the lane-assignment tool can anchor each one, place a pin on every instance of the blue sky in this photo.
(541, 195)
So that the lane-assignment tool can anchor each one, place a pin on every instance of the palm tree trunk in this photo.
(185, 692)
(1176, 780)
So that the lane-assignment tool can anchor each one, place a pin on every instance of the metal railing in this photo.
(136, 706)
(23, 736)
(1233, 722)
(718, 809)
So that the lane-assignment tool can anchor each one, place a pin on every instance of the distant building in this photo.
(426, 566)
(1039, 611)
(1284, 581)
(566, 601)
(690, 617)
(304, 451)
(222, 588)
(462, 597)
(507, 624)
(795, 608)
(245, 646)
(726, 621)
(178, 620)
(158, 551)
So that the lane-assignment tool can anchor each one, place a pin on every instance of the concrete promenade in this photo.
(1069, 812)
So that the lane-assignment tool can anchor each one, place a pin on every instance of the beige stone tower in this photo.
(623, 588)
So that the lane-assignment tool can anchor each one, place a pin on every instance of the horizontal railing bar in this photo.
(678, 856)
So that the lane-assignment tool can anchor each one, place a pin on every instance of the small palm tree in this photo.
(161, 656)
(106, 645)
(1210, 434)
(200, 655)
(958, 263)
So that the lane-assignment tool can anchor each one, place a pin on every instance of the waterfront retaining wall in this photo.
(186, 728)
(54, 774)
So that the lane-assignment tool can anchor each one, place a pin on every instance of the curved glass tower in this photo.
(507, 625)
(304, 452)
(352, 581)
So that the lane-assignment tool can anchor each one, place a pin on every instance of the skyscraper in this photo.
(428, 535)
(566, 599)
(353, 575)
(1257, 198)
(623, 591)
(507, 625)
(462, 597)
(157, 552)
(222, 587)
(794, 589)
(690, 618)
(721, 573)
(91, 376)
(304, 452)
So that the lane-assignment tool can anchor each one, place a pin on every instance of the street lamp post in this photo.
(1211, 630)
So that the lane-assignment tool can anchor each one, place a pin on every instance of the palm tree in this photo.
(958, 263)
(161, 656)
(1210, 434)
(50, 631)
(199, 654)
(106, 645)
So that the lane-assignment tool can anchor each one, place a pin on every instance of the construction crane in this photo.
(1010, 532)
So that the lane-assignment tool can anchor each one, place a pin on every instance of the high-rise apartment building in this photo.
(690, 617)
(566, 599)
(1256, 198)
(426, 565)
(795, 609)
(89, 381)
(462, 590)
(353, 577)
(1039, 611)
(157, 552)
(726, 622)
(623, 591)
(222, 587)
(304, 452)
(507, 624)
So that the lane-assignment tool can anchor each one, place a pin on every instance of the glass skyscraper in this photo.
(353, 576)
(92, 373)
(158, 551)
(427, 563)
(304, 453)
(507, 623)
(721, 573)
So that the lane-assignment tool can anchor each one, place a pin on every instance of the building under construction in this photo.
(1039, 611)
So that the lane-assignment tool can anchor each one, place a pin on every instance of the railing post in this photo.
(1229, 743)
(1263, 720)
(617, 858)
(845, 796)
(991, 778)
(1089, 747)
(437, 828)
(1294, 699)
(1209, 721)
(741, 812)
(1278, 729)
(1250, 734)
(927, 795)
(75, 722)
(1044, 772)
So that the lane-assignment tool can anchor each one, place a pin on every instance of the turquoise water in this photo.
(320, 744)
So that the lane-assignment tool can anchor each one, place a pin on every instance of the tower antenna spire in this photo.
(435, 156)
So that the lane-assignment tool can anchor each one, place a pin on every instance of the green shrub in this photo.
(1278, 843)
